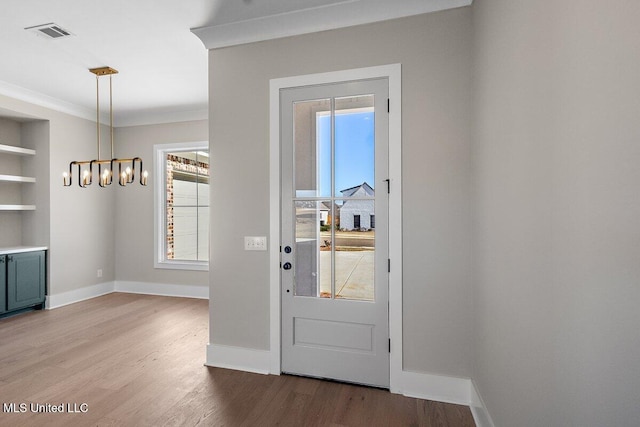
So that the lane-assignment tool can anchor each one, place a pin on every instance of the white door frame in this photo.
(393, 72)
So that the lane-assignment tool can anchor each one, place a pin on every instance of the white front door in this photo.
(334, 238)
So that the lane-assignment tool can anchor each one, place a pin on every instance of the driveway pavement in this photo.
(354, 274)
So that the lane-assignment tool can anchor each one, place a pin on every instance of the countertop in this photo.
(21, 249)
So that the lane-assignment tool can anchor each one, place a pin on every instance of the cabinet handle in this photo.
(10, 258)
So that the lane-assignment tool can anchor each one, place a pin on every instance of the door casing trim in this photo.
(394, 73)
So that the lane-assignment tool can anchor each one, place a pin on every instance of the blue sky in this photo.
(355, 151)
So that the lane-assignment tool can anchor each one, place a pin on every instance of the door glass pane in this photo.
(312, 251)
(312, 148)
(355, 251)
(354, 145)
(334, 158)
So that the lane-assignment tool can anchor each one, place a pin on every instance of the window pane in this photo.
(313, 249)
(312, 145)
(203, 194)
(185, 233)
(354, 145)
(355, 251)
(203, 233)
(187, 206)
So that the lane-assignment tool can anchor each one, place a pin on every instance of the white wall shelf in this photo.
(17, 207)
(10, 149)
(16, 178)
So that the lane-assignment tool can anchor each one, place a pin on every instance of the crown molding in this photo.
(150, 117)
(41, 100)
(329, 17)
(137, 118)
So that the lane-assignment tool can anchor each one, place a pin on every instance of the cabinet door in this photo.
(25, 279)
(3, 284)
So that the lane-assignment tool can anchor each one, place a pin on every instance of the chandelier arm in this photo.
(80, 177)
(121, 181)
(132, 177)
(141, 173)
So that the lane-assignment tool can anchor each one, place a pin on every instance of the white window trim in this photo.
(159, 202)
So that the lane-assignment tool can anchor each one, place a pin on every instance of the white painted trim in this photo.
(394, 73)
(274, 224)
(395, 225)
(77, 295)
(37, 98)
(311, 20)
(143, 117)
(479, 409)
(440, 388)
(135, 118)
(162, 289)
(146, 288)
(238, 358)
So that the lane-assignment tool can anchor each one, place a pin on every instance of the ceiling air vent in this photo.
(50, 31)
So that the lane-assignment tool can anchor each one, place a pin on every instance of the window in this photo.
(182, 206)
(356, 222)
(372, 221)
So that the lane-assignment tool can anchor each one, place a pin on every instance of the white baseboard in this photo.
(440, 388)
(163, 289)
(239, 358)
(77, 295)
(478, 409)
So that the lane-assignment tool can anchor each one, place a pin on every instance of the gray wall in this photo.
(134, 231)
(435, 52)
(81, 221)
(557, 212)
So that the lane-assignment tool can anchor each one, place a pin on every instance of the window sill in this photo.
(183, 265)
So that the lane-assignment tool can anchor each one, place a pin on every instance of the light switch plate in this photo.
(255, 243)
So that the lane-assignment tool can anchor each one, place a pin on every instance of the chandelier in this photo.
(105, 168)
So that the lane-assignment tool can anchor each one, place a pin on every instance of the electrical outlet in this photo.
(255, 243)
(99, 273)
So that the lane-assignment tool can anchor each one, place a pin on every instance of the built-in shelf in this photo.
(10, 149)
(16, 178)
(17, 207)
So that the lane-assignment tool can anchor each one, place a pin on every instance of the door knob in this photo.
(287, 249)
(287, 266)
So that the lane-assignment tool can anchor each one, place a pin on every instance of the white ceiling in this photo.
(162, 64)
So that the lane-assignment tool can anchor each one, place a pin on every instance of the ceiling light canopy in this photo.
(105, 168)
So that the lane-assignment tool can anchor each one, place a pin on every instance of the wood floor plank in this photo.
(137, 360)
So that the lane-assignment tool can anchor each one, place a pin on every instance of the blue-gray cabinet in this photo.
(22, 280)
(3, 284)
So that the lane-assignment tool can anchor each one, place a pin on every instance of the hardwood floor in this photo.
(137, 360)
